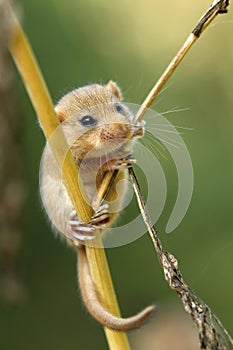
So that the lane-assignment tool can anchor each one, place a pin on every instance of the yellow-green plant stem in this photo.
(41, 100)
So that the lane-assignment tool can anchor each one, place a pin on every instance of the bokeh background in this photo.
(78, 42)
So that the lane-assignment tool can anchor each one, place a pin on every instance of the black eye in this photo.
(88, 121)
(119, 107)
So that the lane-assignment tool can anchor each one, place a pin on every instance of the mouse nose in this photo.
(115, 132)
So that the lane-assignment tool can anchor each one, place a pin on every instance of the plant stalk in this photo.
(28, 68)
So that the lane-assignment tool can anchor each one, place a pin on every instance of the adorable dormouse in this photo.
(100, 132)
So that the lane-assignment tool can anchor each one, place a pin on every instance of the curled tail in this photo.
(93, 305)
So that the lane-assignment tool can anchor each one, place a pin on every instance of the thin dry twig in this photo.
(212, 334)
(216, 8)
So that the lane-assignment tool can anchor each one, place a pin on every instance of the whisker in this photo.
(151, 137)
(165, 88)
(174, 110)
(150, 142)
(155, 150)
(175, 141)
(168, 131)
(158, 100)
(169, 143)
(171, 126)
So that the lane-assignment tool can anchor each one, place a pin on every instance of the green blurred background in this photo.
(78, 42)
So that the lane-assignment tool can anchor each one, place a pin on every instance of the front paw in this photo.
(85, 231)
(119, 164)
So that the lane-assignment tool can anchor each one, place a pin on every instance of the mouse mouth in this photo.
(138, 129)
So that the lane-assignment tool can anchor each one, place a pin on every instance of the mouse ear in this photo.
(114, 88)
(61, 116)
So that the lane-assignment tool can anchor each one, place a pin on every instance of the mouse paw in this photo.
(101, 216)
(124, 163)
(84, 231)
(120, 164)
(81, 231)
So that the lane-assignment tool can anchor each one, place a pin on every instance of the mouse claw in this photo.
(119, 164)
(80, 231)
(101, 208)
(124, 163)
(83, 231)
(81, 238)
(101, 216)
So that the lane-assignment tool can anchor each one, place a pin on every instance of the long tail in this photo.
(93, 305)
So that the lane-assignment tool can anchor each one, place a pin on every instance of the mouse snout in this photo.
(114, 132)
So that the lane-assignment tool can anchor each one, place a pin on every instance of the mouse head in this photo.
(96, 122)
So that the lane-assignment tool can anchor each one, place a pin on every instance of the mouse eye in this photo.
(88, 121)
(119, 107)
